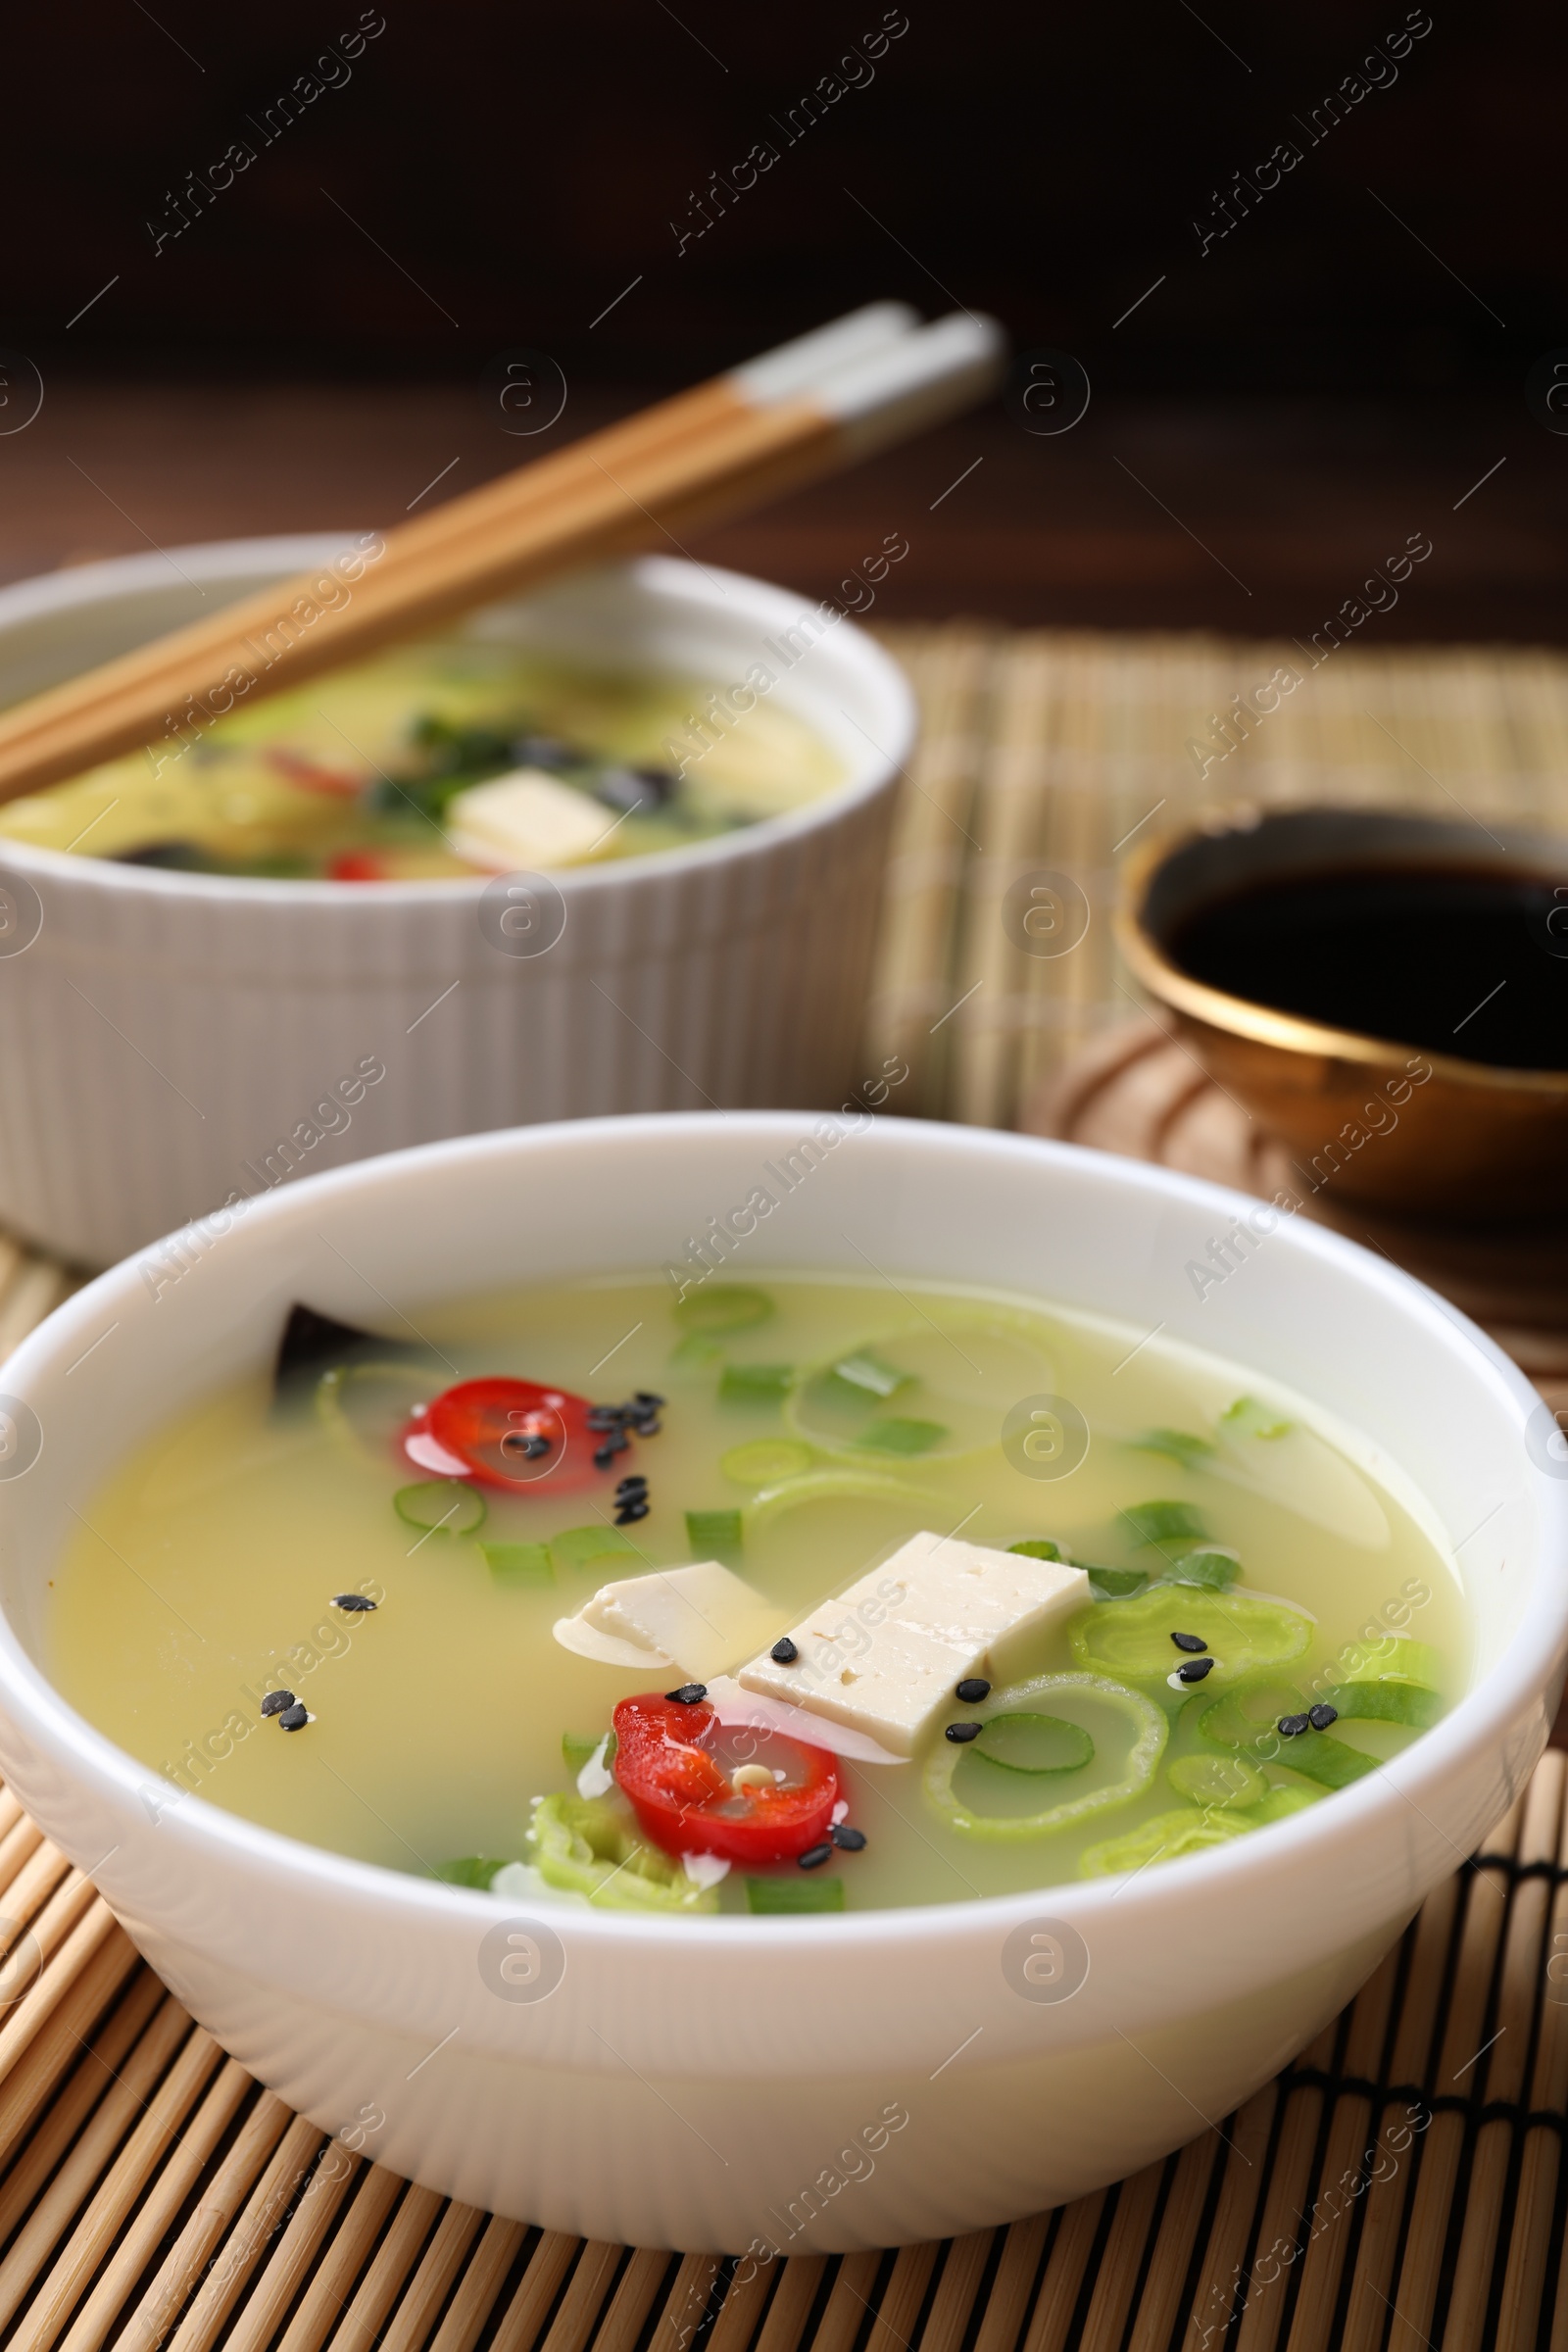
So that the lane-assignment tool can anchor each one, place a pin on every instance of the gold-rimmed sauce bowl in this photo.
(1381, 1119)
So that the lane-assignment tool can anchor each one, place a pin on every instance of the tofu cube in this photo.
(699, 1619)
(883, 1658)
(526, 821)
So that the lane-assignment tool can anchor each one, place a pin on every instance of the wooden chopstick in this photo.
(792, 415)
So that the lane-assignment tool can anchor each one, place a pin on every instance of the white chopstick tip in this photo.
(800, 364)
(920, 381)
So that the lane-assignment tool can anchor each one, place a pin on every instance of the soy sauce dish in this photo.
(769, 1683)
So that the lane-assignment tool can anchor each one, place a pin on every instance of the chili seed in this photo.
(815, 1855)
(1293, 1725)
(353, 1602)
(1322, 1715)
(972, 1690)
(690, 1694)
(1194, 1670)
(958, 1732)
(850, 1842)
(1189, 1640)
(294, 1718)
(275, 1701)
(784, 1651)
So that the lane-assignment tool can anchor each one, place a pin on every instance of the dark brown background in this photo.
(1292, 404)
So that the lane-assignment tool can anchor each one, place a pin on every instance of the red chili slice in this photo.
(507, 1433)
(686, 1799)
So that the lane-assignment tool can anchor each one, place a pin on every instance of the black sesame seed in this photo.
(690, 1694)
(815, 1855)
(604, 1416)
(647, 1425)
(1293, 1725)
(628, 1513)
(1194, 1670)
(275, 1701)
(648, 1401)
(606, 1453)
(847, 1840)
(1322, 1715)
(632, 1486)
(958, 1732)
(294, 1718)
(353, 1602)
(1189, 1640)
(972, 1690)
(784, 1651)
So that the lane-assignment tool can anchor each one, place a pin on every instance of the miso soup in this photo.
(792, 1595)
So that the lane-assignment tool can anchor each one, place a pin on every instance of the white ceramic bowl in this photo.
(165, 1039)
(820, 2083)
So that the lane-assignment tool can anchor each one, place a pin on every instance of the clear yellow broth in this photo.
(203, 1571)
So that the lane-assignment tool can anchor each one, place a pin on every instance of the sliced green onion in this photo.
(727, 1306)
(471, 1869)
(443, 1503)
(712, 1530)
(1250, 1712)
(1247, 1418)
(754, 1383)
(1149, 1728)
(1038, 1548)
(580, 1747)
(1116, 1584)
(765, 1461)
(1033, 1744)
(1165, 1523)
(1385, 1703)
(1394, 1658)
(1162, 1839)
(582, 1546)
(1214, 1566)
(901, 1436)
(779, 1898)
(1176, 1444)
(1323, 1758)
(519, 1563)
(1281, 1802)
(1134, 1637)
(583, 1845)
(1217, 1781)
(868, 1372)
(836, 1486)
(695, 1352)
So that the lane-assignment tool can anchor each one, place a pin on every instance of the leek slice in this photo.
(583, 1846)
(765, 1461)
(1217, 1781)
(1320, 1757)
(1396, 1658)
(1033, 1744)
(1133, 1637)
(1162, 1839)
(727, 1306)
(1385, 1703)
(1119, 1709)
(440, 1506)
(849, 1485)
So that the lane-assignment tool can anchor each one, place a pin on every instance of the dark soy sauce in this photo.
(1457, 960)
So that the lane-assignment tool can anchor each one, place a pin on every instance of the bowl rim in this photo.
(1478, 1722)
(277, 556)
(1261, 1024)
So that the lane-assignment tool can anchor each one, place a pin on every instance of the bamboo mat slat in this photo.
(1400, 2184)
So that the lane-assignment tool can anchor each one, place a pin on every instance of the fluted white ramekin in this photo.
(807, 2085)
(170, 1039)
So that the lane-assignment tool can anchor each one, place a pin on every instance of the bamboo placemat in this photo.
(1399, 2185)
